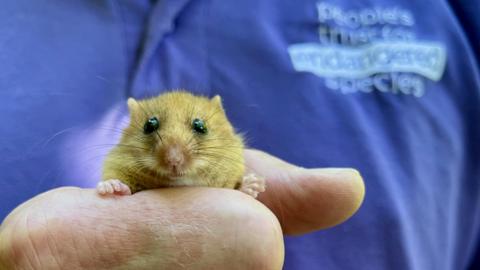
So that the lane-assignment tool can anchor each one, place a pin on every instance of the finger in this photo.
(194, 228)
(306, 200)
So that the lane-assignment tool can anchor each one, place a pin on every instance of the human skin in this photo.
(179, 228)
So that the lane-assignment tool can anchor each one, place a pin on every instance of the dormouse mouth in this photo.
(174, 175)
(173, 172)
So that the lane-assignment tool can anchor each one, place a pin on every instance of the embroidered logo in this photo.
(371, 49)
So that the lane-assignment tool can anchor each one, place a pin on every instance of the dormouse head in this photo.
(179, 135)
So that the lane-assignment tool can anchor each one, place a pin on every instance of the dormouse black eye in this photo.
(151, 125)
(198, 125)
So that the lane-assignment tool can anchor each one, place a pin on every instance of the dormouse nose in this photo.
(174, 156)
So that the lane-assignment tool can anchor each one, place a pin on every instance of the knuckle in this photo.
(262, 246)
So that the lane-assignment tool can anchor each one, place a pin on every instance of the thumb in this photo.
(306, 200)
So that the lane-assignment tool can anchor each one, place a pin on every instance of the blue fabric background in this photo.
(67, 67)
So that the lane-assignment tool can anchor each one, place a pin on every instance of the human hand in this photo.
(174, 228)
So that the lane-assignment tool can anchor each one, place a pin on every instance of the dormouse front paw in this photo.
(113, 186)
(252, 184)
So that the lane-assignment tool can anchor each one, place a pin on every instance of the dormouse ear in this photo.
(132, 105)
(217, 100)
